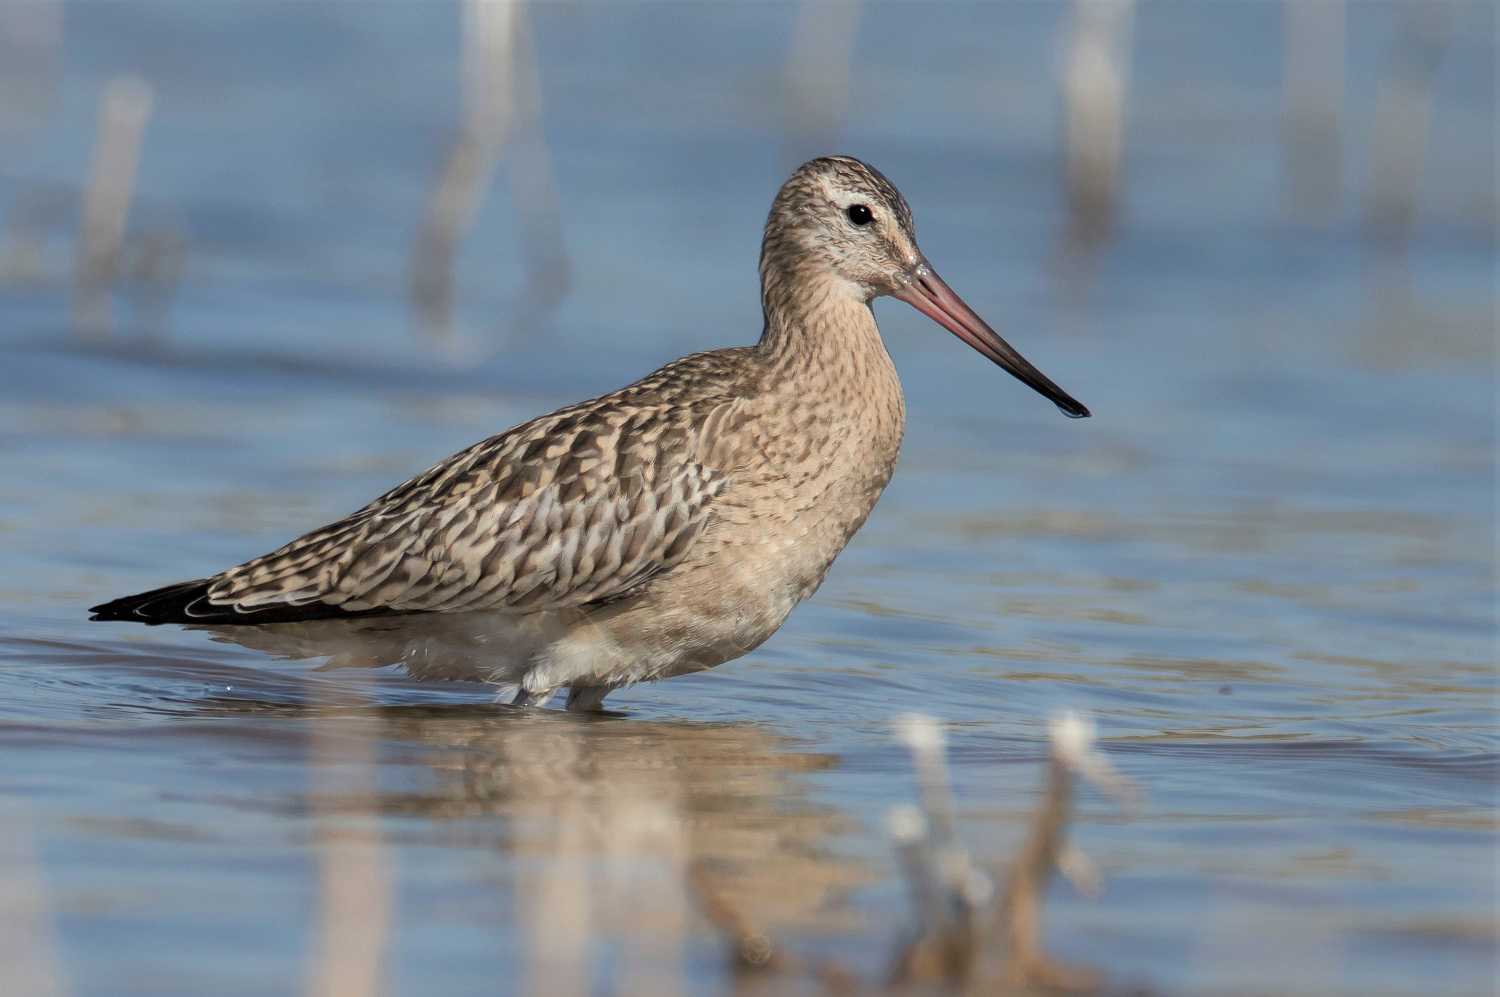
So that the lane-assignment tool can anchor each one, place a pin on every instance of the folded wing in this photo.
(580, 507)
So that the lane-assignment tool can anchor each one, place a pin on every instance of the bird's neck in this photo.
(817, 322)
(828, 372)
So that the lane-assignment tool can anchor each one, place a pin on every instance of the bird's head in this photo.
(838, 225)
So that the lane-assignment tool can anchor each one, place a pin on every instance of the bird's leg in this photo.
(587, 698)
(533, 697)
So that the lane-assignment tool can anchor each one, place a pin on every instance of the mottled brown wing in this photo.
(582, 506)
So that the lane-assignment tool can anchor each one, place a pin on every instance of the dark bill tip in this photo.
(930, 294)
(1073, 409)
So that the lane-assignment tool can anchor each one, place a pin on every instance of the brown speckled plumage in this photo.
(663, 528)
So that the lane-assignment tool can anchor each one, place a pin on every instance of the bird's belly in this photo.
(473, 647)
(689, 624)
(746, 589)
(767, 553)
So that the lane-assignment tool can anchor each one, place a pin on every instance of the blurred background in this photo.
(261, 261)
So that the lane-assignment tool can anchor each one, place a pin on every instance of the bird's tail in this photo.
(168, 604)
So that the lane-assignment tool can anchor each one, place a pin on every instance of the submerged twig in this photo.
(751, 950)
(1018, 926)
(966, 940)
(948, 887)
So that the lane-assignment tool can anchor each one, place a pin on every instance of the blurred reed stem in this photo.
(124, 110)
(501, 111)
(1403, 109)
(31, 36)
(1312, 110)
(1095, 88)
(816, 84)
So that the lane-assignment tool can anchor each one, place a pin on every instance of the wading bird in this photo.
(662, 529)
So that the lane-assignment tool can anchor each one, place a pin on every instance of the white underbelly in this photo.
(471, 647)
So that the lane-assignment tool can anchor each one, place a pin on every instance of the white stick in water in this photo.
(1095, 85)
(489, 111)
(123, 112)
(817, 76)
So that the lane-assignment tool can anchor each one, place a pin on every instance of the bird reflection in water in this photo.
(606, 820)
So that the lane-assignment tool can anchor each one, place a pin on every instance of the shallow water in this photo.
(1265, 566)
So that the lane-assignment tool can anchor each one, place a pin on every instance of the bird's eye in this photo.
(859, 214)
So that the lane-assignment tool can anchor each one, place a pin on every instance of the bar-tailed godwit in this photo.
(662, 529)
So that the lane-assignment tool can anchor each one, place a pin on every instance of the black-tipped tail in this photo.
(168, 604)
(188, 602)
